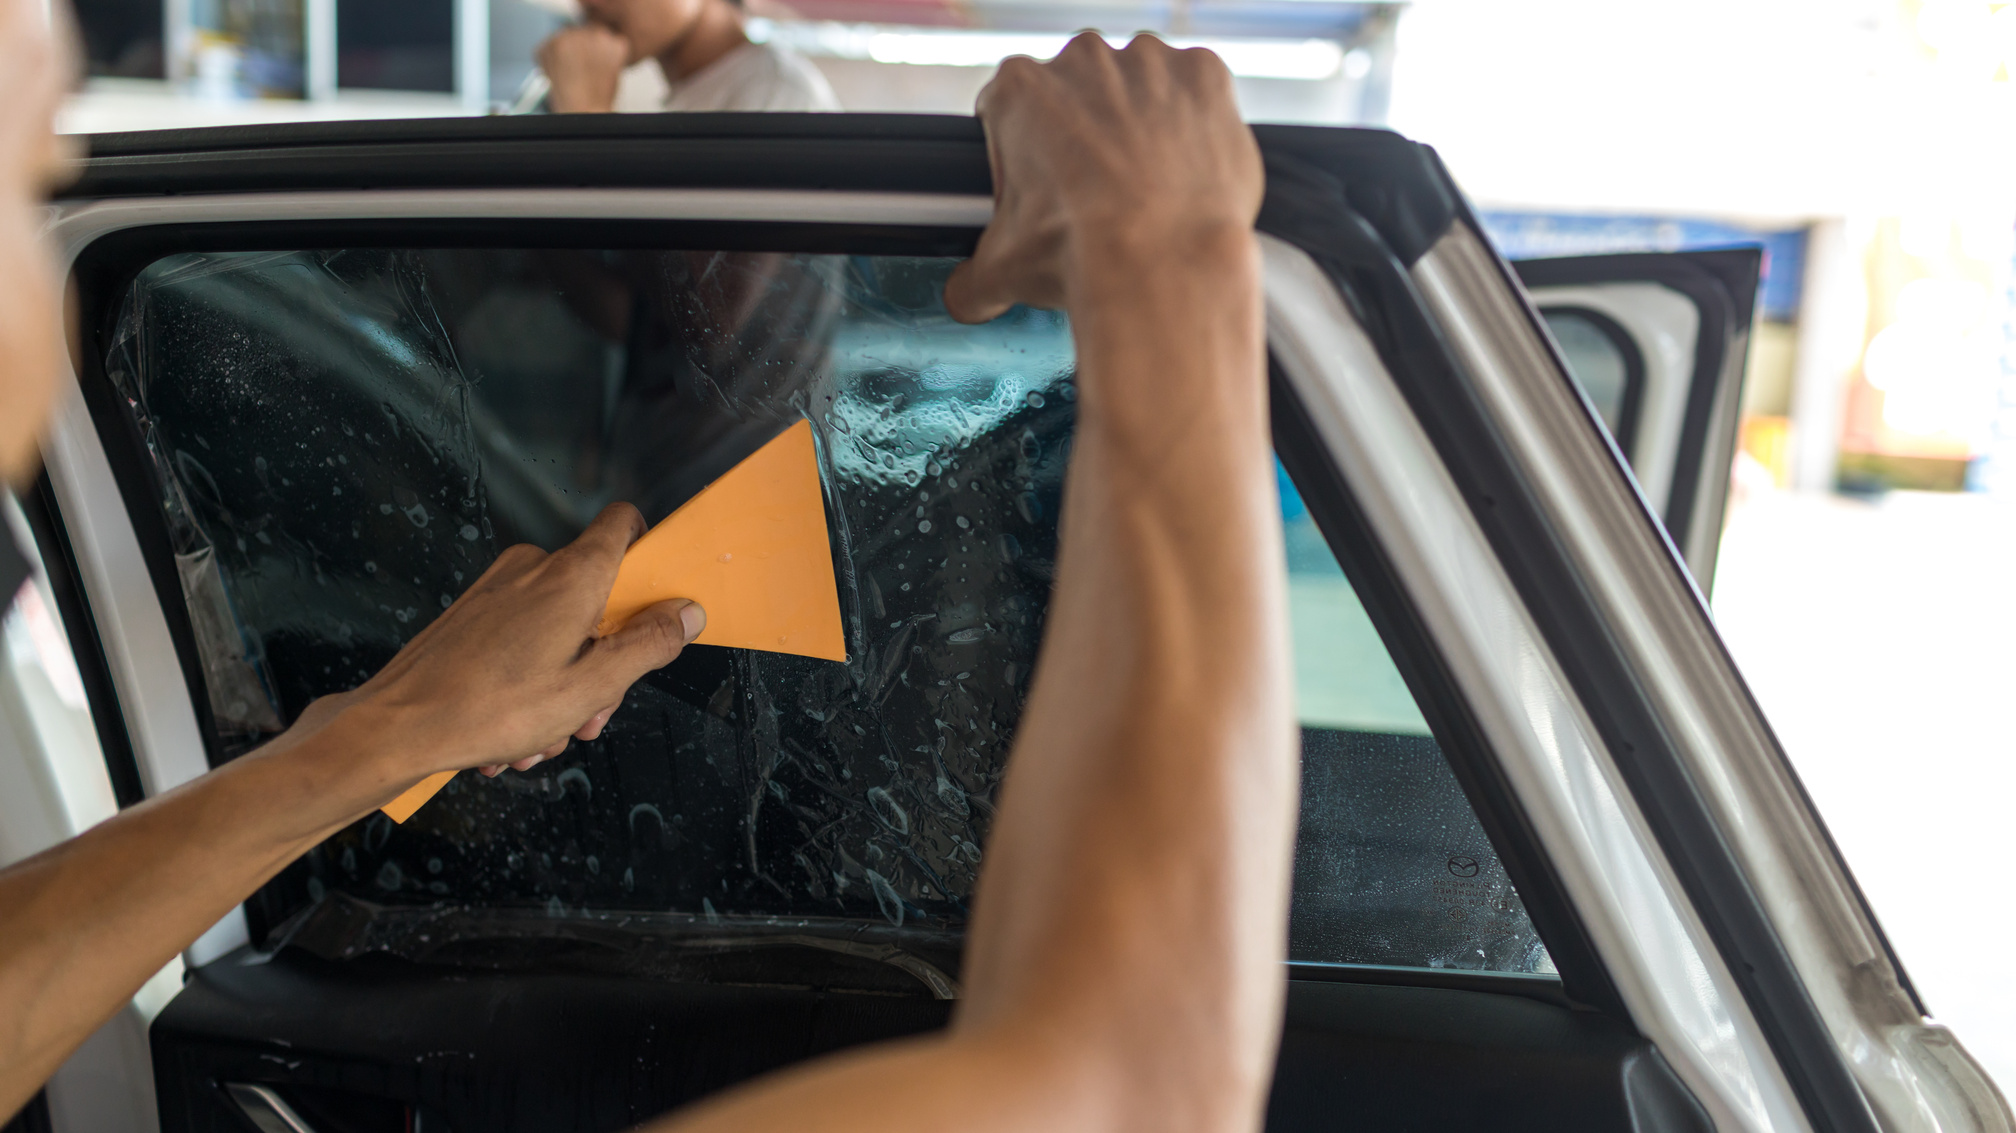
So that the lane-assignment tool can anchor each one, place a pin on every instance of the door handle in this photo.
(267, 1109)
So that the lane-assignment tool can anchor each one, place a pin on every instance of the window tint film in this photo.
(342, 440)
(1391, 866)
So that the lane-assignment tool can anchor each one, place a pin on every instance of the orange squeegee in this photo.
(750, 548)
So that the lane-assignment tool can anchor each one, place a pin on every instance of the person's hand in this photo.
(584, 64)
(35, 66)
(512, 670)
(1102, 152)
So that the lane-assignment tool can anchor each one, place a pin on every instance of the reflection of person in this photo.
(1123, 963)
(646, 55)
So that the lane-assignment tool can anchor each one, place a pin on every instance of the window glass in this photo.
(1597, 362)
(1391, 866)
(343, 439)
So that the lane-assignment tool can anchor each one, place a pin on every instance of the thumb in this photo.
(974, 293)
(652, 639)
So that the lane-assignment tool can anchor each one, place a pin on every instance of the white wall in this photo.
(1763, 109)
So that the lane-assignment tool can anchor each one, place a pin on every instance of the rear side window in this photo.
(1603, 361)
(341, 440)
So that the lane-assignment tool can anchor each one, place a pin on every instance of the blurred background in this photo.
(1868, 573)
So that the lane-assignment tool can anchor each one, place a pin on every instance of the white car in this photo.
(1553, 872)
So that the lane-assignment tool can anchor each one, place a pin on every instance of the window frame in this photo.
(105, 261)
(1628, 406)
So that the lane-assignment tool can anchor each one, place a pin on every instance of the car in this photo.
(1553, 870)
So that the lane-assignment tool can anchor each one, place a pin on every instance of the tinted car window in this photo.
(343, 439)
(1599, 357)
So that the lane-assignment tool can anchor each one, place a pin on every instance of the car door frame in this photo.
(1473, 369)
(1721, 284)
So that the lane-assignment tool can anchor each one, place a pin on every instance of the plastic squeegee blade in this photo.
(751, 549)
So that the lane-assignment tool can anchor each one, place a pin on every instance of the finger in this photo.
(593, 728)
(516, 561)
(975, 292)
(1089, 44)
(598, 551)
(492, 770)
(651, 639)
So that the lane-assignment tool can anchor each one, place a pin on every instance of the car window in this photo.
(343, 439)
(1603, 361)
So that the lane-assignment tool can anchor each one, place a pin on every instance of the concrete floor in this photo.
(1880, 637)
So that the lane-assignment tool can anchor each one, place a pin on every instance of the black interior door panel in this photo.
(384, 1045)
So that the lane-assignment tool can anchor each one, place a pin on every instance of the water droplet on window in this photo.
(886, 898)
(390, 876)
(966, 637)
(469, 532)
(962, 522)
(923, 527)
(433, 865)
(707, 909)
(888, 810)
(1035, 400)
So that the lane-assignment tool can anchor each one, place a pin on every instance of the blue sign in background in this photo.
(1534, 235)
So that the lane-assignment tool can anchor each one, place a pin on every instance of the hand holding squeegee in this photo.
(750, 549)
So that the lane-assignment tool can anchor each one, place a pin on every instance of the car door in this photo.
(1552, 871)
(1657, 341)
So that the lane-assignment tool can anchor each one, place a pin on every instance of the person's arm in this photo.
(1123, 967)
(507, 674)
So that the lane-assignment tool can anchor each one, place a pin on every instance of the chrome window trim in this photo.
(1913, 1073)
(1656, 952)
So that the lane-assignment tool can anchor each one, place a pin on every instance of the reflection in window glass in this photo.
(1597, 363)
(345, 439)
(1391, 866)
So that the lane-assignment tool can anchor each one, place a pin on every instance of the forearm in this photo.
(92, 919)
(1144, 840)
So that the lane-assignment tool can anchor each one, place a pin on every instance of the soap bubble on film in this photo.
(886, 898)
(889, 810)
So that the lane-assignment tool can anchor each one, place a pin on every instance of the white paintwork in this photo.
(53, 782)
(1913, 1075)
(53, 786)
(1665, 325)
(79, 224)
(1670, 978)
